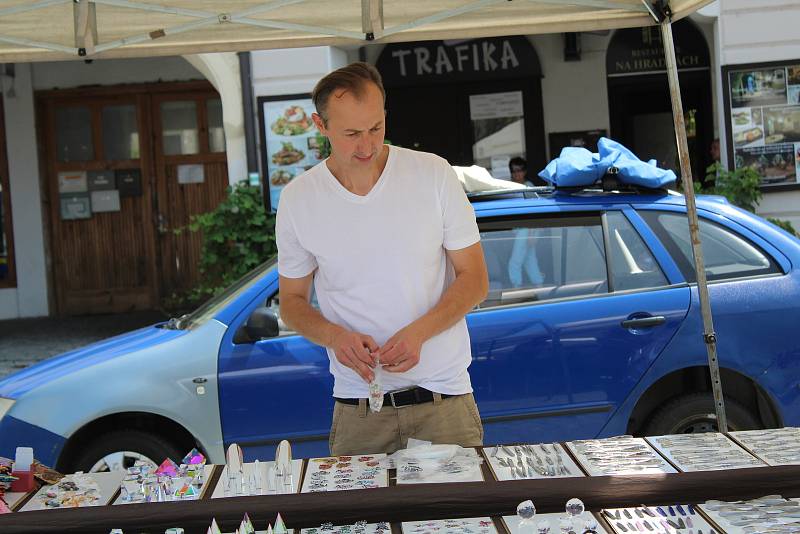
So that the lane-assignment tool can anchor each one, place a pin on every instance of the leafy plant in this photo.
(742, 187)
(238, 235)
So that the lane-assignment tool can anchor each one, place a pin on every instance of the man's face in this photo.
(355, 128)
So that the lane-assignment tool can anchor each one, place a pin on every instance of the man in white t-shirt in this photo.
(389, 241)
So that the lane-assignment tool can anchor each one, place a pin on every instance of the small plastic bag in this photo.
(376, 390)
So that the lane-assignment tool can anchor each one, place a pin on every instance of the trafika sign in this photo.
(448, 61)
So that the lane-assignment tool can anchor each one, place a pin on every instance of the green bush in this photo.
(742, 187)
(238, 235)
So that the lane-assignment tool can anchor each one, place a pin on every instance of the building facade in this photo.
(104, 160)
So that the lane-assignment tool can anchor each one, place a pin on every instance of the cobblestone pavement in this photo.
(27, 341)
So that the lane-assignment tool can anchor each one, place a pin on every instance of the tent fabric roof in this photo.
(46, 30)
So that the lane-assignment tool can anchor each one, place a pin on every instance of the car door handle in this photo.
(644, 322)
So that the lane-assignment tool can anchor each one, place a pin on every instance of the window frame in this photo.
(11, 281)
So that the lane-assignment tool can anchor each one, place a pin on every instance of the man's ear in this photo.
(319, 123)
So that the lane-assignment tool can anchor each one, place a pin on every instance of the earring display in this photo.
(472, 525)
(775, 446)
(362, 527)
(621, 455)
(438, 463)
(168, 482)
(667, 519)
(259, 478)
(583, 523)
(771, 514)
(336, 473)
(707, 451)
(545, 460)
(77, 491)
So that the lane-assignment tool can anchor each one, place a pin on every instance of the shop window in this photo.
(179, 127)
(74, 134)
(216, 131)
(120, 132)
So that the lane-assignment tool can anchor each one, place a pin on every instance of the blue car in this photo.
(591, 328)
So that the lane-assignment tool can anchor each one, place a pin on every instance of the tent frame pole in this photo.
(709, 336)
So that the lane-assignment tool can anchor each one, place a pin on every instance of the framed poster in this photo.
(762, 109)
(289, 141)
(586, 139)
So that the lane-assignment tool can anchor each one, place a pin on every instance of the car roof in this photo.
(516, 201)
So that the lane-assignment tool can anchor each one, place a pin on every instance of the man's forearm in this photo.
(301, 317)
(467, 291)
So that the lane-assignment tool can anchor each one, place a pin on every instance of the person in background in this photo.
(714, 150)
(519, 171)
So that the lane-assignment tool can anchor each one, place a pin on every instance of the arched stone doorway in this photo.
(640, 109)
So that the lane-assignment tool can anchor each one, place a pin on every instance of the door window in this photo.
(74, 134)
(726, 254)
(7, 278)
(216, 131)
(545, 259)
(179, 127)
(120, 132)
(633, 266)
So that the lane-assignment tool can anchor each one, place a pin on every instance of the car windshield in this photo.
(216, 303)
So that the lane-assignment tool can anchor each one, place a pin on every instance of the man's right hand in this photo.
(357, 351)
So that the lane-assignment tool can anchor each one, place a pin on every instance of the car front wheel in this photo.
(121, 449)
(694, 413)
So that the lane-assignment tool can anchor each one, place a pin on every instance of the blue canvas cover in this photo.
(577, 167)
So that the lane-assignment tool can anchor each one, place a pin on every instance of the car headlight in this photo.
(5, 405)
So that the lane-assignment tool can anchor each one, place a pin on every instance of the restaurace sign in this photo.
(639, 50)
(478, 59)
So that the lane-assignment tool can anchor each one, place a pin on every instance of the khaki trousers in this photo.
(357, 430)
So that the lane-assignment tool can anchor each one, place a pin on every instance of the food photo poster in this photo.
(765, 121)
(290, 142)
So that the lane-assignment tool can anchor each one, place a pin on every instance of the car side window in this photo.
(543, 259)
(633, 266)
(726, 253)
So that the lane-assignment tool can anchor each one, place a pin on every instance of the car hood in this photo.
(19, 383)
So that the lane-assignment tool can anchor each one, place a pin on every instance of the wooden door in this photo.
(111, 258)
(101, 256)
(191, 178)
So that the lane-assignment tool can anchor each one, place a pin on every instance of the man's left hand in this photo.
(402, 351)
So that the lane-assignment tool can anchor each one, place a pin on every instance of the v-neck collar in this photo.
(349, 195)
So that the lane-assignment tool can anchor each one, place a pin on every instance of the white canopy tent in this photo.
(46, 30)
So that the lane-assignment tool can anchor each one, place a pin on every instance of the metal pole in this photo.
(709, 337)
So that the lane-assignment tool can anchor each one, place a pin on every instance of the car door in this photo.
(273, 389)
(578, 309)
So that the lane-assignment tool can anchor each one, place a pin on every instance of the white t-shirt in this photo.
(380, 260)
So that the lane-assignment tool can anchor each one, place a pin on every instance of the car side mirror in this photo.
(262, 323)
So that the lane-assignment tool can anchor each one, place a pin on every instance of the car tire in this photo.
(695, 413)
(133, 444)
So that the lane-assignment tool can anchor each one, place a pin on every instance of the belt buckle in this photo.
(391, 397)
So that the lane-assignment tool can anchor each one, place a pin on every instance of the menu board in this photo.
(290, 142)
(764, 118)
